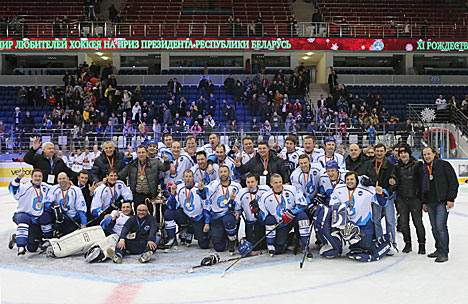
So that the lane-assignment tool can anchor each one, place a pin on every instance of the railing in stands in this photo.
(68, 140)
(301, 29)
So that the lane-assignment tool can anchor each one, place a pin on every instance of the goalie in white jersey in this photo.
(284, 205)
(105, 198)
(30, 197)
(112, 226)
(65, 208)
(186, 209)
(247, 203)
(349, 219)
(220, 195)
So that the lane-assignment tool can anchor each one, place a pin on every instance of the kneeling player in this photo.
(30, 197)
(247, 204)
(186, 209)
(284, 204)
(112, 226)
(138, 236)
(351, 208)
(219, 198)
(65, 207)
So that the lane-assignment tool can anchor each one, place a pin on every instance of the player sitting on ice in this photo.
(138, 236)
(64, 207)
(185, 208)
(284, 204)
(30, 197)
(247, 204)
(112, 226)
(105, 198)
(349, 219)
(219, 198)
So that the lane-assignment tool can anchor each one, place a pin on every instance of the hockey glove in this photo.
(366, 181)
(320, 198)
(245, 247)
(58, 213)
(210, 260)
(287, 217)
(254, 208)
(351, 233)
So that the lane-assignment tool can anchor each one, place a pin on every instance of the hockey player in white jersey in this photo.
(330, 179)
(330, 146)
(202, 171)
(310, 150)
(220, 195)
(186, 209)
(65, 208)
(306, 177)
(290, 153)
(105, 198)
(247, 203)
(349, 219)
(221, 159)
(249, 150)
(30, 197)
(165, 146)
(283, 204)
(181, 161)
(112, 226)
(210, 148)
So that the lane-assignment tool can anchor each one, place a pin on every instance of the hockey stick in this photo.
(253, 246)
(222, 261)
(71, 219)
(306, 247)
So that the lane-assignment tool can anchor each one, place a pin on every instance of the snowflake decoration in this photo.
(428, 115)
(328, 40)
(334, 46)
(311, 40)
(363, 47)
(409, 47)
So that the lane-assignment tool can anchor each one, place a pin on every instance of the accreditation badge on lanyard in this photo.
(51, 176)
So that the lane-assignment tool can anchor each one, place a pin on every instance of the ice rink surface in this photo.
(403, 278)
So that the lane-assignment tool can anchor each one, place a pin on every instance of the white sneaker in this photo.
(145, 257)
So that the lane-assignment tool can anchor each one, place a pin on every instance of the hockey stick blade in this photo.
(192, 269)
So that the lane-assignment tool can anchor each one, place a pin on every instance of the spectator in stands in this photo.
(419, 134)
(371, 134)
(56, 27)
(229, 84)
(112, 12)
(230, 26)
(17, 116)
(118, 20)
(332, 80)
(28, 122)
(424, 28)
(3, 136)
(441, 105)
(316, 20)
(22, 96)
(292, 25)
(237, 28)
(259, 26)
(266, 131)
(203, 86)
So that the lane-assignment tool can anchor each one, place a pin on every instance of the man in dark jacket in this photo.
(382, 173)
(356, 161)
(264, 164)
(50, 164)
(111, 158)
(143, 176)
(408, 198)
(439, 188)
(138, 236)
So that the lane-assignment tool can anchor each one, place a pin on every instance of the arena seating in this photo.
(442, 17)
(41, 11)
(170, 17)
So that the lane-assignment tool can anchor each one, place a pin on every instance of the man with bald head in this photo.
(356, 160)
(47, 161)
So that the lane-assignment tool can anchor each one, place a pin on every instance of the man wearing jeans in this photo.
(439, 188)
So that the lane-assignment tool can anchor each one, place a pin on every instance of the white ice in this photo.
(403, 278)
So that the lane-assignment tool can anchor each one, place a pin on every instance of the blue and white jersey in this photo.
(327, 186)
(191, 202)
(247, 156)
(200, 174)
(316, 153)
(105, 195)
(360, 207)
(30, 197)
(209, 150)
(162, 149)
(115, 227)
(323, 159)
(228, 162)
(181, 163)
(292, 156)
(217, 197)
(308, 183)
(244, 197)
(71, 201)
(290, 198)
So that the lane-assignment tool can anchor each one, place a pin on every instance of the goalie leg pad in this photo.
(77, 242)
(377, 250)
(339, 216)
(329, 236)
